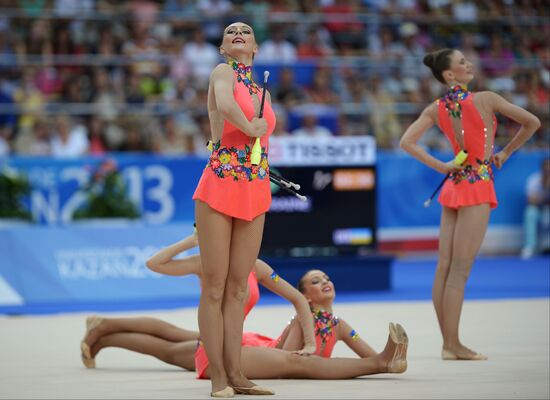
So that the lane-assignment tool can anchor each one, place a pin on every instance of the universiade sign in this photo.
(55, 269)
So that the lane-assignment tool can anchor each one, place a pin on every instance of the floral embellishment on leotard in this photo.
(274, 277)
(230, 162)
(452, 100)
(324, 324)
(354, 335)
(472, 174)
(244, 75)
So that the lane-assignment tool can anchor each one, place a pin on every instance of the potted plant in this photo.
(13, 187)
(106, 195)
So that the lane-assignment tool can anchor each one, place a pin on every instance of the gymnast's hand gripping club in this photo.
(256, 153)
(459, 160)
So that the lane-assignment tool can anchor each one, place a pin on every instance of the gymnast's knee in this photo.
(458, 274)
(213, 291)
(237, 289)
(443, 266)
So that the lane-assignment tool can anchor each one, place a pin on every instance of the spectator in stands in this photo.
(7, 49)
(37, 41)
(111, 7)
(536, 218)
(180, 67)
(201, 55)
(47, 79)
(143, 50)
(106, 95)
(321, 89)
(96, 136)
(310, 127)
(180, 96)
(498, 59)
(72, 94)
(215, 14)
(71, 8)
(64, 46)
(5, 141)
(465, 11)
(383, 46)
(392, 7)
(37, 141)
(410, 50)
(134, 94)
(41, 145)
(173, 139)
(511, 43)
(344, 26)
(134, 140)
(203, 136)
(29, 98)
(382, 114)
(281, 127)
(106, 47)
(68, 140)
(287, 92)
(8, 119)
(258, 11)
(313, 45)
(277, 49)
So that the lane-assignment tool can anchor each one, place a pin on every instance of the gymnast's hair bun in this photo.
(429, 60)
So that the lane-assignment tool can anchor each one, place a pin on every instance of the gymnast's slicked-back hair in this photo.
(300, 285)
(439, 61)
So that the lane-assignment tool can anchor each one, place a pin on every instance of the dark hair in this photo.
(439, 61)
(300, 285)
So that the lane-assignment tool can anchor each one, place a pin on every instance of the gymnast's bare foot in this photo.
(461, 352)
(92, 322)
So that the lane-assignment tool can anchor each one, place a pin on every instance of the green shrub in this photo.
(106, 195)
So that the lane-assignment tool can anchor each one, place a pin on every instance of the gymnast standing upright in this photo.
(467, 119)
(232, 198)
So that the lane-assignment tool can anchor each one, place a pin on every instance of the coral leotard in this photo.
(325, 335)
(473, 185)
(229, 183)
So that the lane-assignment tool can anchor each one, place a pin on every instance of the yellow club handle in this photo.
(256, 154)
(461, 157)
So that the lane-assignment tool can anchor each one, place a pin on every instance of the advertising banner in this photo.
(161, 187)
(49, 268)
(338, 179)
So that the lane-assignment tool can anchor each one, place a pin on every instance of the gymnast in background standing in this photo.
(467, 119)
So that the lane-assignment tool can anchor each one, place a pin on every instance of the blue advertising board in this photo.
(161, 187)
(57, 264)
(78, 267)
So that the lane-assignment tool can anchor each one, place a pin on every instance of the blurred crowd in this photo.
(93, 76)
